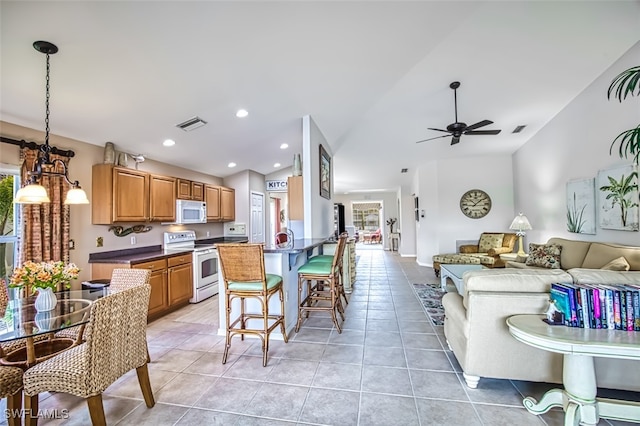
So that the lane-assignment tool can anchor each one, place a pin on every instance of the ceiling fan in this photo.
(457, 129)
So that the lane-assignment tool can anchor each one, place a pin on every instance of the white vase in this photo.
(44, 320)
(297, 165)
(46, 300)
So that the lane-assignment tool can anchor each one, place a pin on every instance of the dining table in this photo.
(21, 321)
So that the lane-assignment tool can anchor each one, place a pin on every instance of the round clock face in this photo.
(475, 203)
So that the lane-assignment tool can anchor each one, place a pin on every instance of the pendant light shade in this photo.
(33, 192)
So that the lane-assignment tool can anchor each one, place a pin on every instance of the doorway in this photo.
(368, 219)
(257, 217)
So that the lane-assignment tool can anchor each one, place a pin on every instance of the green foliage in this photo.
(627, 83)
(575, 222)
(618, 191)
(6, 203)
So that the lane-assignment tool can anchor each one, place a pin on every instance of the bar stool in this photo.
(244, 277)
(324, 295)
(328, 258)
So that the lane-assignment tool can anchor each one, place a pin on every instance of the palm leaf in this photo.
(629, 141)
(625, 84)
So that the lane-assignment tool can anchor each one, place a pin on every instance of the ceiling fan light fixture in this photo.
(33, 192)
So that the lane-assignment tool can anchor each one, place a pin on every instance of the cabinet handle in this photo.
(151, 266)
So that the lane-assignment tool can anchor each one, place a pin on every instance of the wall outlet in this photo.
(133, 240)
(99, 242)
(208, 234)
(72, 245)
(286, 296)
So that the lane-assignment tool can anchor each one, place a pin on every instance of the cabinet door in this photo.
(158, 301)
(212, 198)
(295, 198)
(162, 198)
(228, 204)
(180, 283)
(130, 189)
(183, 189)
(197, 191)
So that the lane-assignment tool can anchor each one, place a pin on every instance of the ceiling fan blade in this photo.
(478, 125)
(482, 132)
(455, 140)
(439, 130)
(430, 139)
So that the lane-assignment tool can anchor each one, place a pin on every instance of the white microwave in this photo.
(188, 211)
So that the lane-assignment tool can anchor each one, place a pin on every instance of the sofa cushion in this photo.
(573, 252)
(601, 276)
(618, 264)
(600, 254)
(489, 241)
(544, 255)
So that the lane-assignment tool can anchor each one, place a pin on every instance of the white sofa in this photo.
(476, 330)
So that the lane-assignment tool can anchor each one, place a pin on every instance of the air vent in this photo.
(519, 128)
(191, 124)
(404, 170)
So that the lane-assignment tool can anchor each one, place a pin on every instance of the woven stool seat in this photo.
(244, 277)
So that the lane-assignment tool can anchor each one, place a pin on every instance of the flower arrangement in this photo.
(44, 275)
(392, 221)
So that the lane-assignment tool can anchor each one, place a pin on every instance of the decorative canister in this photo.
(123, 159)
(297, 165)
(109, 153)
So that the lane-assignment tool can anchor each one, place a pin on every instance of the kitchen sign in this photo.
(276, 185)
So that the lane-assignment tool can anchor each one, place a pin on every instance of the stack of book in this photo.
(613, 307)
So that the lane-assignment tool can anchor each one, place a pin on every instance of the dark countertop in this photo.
(150, 253)
(298, 246)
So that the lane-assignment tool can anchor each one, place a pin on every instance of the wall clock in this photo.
(475, 203)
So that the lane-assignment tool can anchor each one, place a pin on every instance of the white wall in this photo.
(575, 144)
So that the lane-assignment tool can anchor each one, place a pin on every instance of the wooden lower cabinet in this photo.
(180, 282)
(171, 281)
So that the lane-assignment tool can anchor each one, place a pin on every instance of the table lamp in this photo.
(520, 224)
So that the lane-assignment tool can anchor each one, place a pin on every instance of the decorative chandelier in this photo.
(34, 192)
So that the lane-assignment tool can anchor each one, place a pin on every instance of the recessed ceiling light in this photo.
(242, 113)
(169, 142)
(284, 146)
(276, 165)
(232, 164)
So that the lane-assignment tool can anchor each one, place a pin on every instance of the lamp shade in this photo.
(520, 223)
(32, 194)
(76, 196)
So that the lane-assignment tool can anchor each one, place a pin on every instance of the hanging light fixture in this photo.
(34, 192)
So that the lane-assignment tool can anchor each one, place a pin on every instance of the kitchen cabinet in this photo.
(295, 198)
(162, 202)
(189, 190)
(180, 283)
(221, 203)
(159, 301)
(120, 194)
(228, 204)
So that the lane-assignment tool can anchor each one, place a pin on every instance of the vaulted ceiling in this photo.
(373, 75)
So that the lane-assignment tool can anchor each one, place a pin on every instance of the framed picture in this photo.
(581, 206)
(325, 174)
(617, 190)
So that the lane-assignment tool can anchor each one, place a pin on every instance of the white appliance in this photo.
(205, 262)
(188, 211)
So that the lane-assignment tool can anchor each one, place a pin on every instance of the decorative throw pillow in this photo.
(489, 241)
(619, 264)
(544, 255)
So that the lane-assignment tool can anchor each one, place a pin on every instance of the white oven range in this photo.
(205, 262)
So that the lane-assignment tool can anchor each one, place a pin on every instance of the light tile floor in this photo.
(389, 366)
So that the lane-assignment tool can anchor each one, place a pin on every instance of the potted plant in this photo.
(392, 221)
(626, 83)
(45, 277)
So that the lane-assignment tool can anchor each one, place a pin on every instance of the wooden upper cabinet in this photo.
(189, 190)
(126, 195)
(228, 204)
(118, 195)
(212, 198)
(162, 202)
(295, 198)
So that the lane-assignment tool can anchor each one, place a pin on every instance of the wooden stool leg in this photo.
(31, 410)
(300, 309)
(14, 408)
(282, 325)
(96, 410)
(145, 385)
(227, 344)
(265, 340)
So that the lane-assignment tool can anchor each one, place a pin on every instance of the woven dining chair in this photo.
(245, 277)
(115, 344)
(11, 388)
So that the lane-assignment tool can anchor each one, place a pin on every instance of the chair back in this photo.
(339, 253)
(122, 279)
(243, 262)
(116, 336)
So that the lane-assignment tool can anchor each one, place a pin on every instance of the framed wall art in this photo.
(325, 174)
(617, 190)
(581, 206)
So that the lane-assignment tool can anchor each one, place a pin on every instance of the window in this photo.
(9, 221)
(366, 216)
